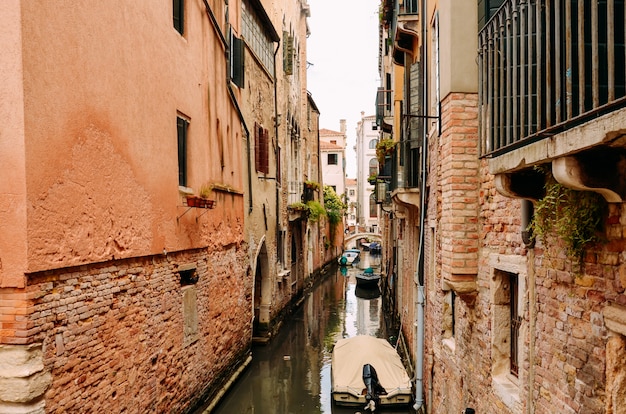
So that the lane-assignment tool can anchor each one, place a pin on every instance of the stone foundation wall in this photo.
(127, 336)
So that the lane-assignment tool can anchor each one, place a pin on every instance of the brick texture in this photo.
(112, 334)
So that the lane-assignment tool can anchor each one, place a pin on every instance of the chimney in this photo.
(342, 126)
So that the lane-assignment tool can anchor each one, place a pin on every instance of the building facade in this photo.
(333, 157)
(283, 153)
(508, 192)
(146, 232)
(367, 135)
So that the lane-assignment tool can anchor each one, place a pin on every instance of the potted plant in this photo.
(202, 200)
(384, 149)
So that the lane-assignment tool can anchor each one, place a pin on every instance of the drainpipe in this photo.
(276, 150)
(421, 299)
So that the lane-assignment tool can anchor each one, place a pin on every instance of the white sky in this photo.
(342, 51)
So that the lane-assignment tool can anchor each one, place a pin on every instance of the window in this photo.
(278, 166)
(373, 143)
(373, 167)
(179, 14)
(332, 159)
(261, 149)
(449, 315)
(507, 318)
(288, 53)
(182, 126)
(373, 206)
(516, 321)
(257, 39)
(352, 193)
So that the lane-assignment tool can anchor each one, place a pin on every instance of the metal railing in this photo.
(546, 66)
(407, 7)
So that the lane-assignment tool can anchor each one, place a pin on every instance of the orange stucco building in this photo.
(113, 289)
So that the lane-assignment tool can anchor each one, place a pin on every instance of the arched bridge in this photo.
(353, 237)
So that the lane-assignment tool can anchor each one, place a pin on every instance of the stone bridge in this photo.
(347, 242)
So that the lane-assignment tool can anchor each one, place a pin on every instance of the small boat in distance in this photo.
(367, 279)
(367, 371)
(349, 257)
(375, 248)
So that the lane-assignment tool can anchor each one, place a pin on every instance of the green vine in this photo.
(316, 210)
(334, 209)
(576, 217)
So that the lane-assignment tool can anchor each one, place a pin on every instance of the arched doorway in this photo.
(262, 293)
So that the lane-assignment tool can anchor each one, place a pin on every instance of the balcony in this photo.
(545, 68)
(552, 86)
(401, 17)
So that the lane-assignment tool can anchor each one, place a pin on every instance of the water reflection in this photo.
(292, 373)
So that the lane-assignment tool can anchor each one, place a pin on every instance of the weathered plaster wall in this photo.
(100, 105)
(12, 153)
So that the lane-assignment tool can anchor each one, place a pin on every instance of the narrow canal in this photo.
(292, 373)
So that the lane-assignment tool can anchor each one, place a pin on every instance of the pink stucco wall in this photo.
(91, 133)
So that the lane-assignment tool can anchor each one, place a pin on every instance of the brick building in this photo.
(121, 289)
(499, 311)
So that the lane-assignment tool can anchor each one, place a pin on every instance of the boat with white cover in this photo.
(368, 371)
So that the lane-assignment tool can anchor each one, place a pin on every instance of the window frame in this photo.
(335, 156)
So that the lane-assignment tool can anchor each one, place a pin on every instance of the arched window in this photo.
(373, 206)
(373, 166)
(373, 143)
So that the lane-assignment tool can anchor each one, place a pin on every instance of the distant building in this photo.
(367, 135)
(333, 157)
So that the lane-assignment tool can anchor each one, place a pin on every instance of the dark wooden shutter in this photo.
(237, 61)
(265, 164)
(181, 125)
(178, 8)
(257, 148)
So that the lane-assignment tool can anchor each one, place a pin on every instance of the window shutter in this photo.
(257, 148)
(265, 164)
(237, 61)
(288, 54)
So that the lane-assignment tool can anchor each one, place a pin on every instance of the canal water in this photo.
(291, 374)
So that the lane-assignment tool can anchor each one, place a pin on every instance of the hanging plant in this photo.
(312, 185)
(384, 148)
(316, 210)
(576, 217)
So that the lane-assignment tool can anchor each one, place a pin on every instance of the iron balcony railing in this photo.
(546, 66)
(406, 7)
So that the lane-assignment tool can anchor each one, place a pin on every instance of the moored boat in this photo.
(349, 257)
(367, 279)
(366, 370)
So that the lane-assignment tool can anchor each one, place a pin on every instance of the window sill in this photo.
(507, 389)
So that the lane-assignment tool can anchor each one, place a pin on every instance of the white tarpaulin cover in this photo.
(349, 356)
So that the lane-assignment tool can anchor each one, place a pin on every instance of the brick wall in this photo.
(113, 337)
(564, 338)
(459, 186)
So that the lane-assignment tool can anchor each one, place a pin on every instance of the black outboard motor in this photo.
(373, 387)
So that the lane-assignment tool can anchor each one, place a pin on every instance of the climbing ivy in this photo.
(576, 217)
